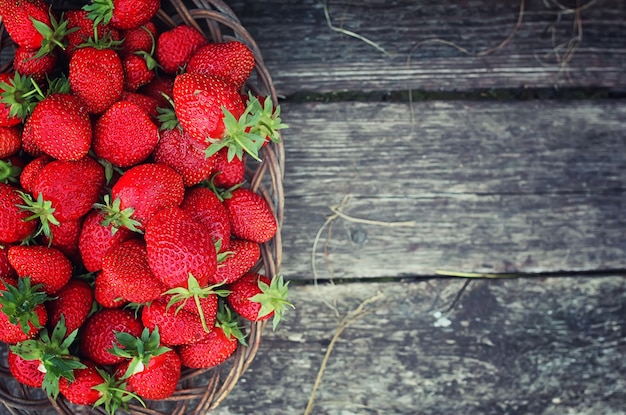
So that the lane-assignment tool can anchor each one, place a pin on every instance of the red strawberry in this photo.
(124, 135)
(177, 246)
(13, 224)
(73, 302)
(96, 239)
(232, 60)
(176, 46)
(28, 143)
(125, 268)
(137, 72)
(60, 126)
(241, 257)
(139, 39)
(31, 170)
(10, 141)
(227, 173)
(22, 310)
(83, 30)
(123, 14)
(25, 371)
(82, 391)
(175, 328)
(147, 103)
(64, 237)
(198, 102)
(96, 76)
(251, 217)
(97, 335)
(205, 207)
(28, 62)
(44, 265)
(254, 297)
(142, 191)
(18, 16)
(105, 293)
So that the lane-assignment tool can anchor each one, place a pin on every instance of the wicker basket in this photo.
(199, 391)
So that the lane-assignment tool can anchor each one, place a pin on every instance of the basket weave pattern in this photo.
(199, 391)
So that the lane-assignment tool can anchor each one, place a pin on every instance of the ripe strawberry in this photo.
(203, 205)
(242, 255)
(13, 224)
(138, 71)
(182, 153)
(105, 294)
(176, 46)
(28, 63)
(64, 237)
(26, 372)
(124, 135)
(147, 103)
(22, 310)
(152, 371)
(139, 39)
(44, 265)
(31, 170)
(97, 335)
(60, 126)
(251, 217)
(81, 391)
(216, 346)
(72, 303)
(232, 60)
(227, 173)
(10, 141)
(142, 191)
(177, 246)
(122, 14)
(198, 102)
(17, 98)
(81, 30)
(96, 76)
(29, 146)
(96, 239)
(175, 327)
(66, 190)
(125, 268)
(254, 297)
(18, 17)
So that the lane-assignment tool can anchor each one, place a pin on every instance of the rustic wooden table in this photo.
(441, 137)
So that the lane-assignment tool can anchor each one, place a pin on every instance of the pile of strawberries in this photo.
(129, 241)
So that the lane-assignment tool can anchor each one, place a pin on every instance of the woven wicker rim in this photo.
(199, 391)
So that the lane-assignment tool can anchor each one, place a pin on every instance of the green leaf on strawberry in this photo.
(20, 95)
(20, 303)
(41, 209)
(273, 299)
(114, 394)
(9, 172)
(229, 323)
(138, 350)
(116, 217)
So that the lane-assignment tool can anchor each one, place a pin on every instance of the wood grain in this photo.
(548, 49)
(526, 186)
(524, 346)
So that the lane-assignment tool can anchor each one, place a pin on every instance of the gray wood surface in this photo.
(542, 346)
(554, 44)
(526, 186)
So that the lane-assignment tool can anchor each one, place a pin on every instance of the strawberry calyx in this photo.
(167, 116)
(41, 209)
(9, 173)
(273, 299)
(20, 95)
(53, 353)
(229, 323)
(19, 303)
(113, 394)
(267, 122)
(139, 350)
(100, 11)
(115, 217)
(180, 296)
(53, 35)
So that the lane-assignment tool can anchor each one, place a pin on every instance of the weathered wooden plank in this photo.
(552, 46)
(492, 187)
(524, 346)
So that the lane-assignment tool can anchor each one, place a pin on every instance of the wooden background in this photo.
(449, 137)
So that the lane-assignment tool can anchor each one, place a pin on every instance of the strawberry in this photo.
(139, 39)
(175, 327)
(147, 103)
(44, 265)
(10, 141)
(28, 63)
(96, 76)
(72, 303)
(17, 98)
(60, 127)
(203, 205)
(22, 310)
(177, 246)
(216, 346)
(27, 372)
(124, 135)
(106, 294)
(31, 170)
(96, 239)
(176, 46)
(242, 255)
(122, 14)
(66, 190)
(25, 20)
(182, 153)
(81, 29)
(227, 173)
(51, 353)
(29, 146)
(152, 371)
(142, 191)
(137, 71)
(64, 237)
(14, 226)
(232, 60)
(125, 268)
(254, 297)
(251, 217)
(97, 336)
(199, 101)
